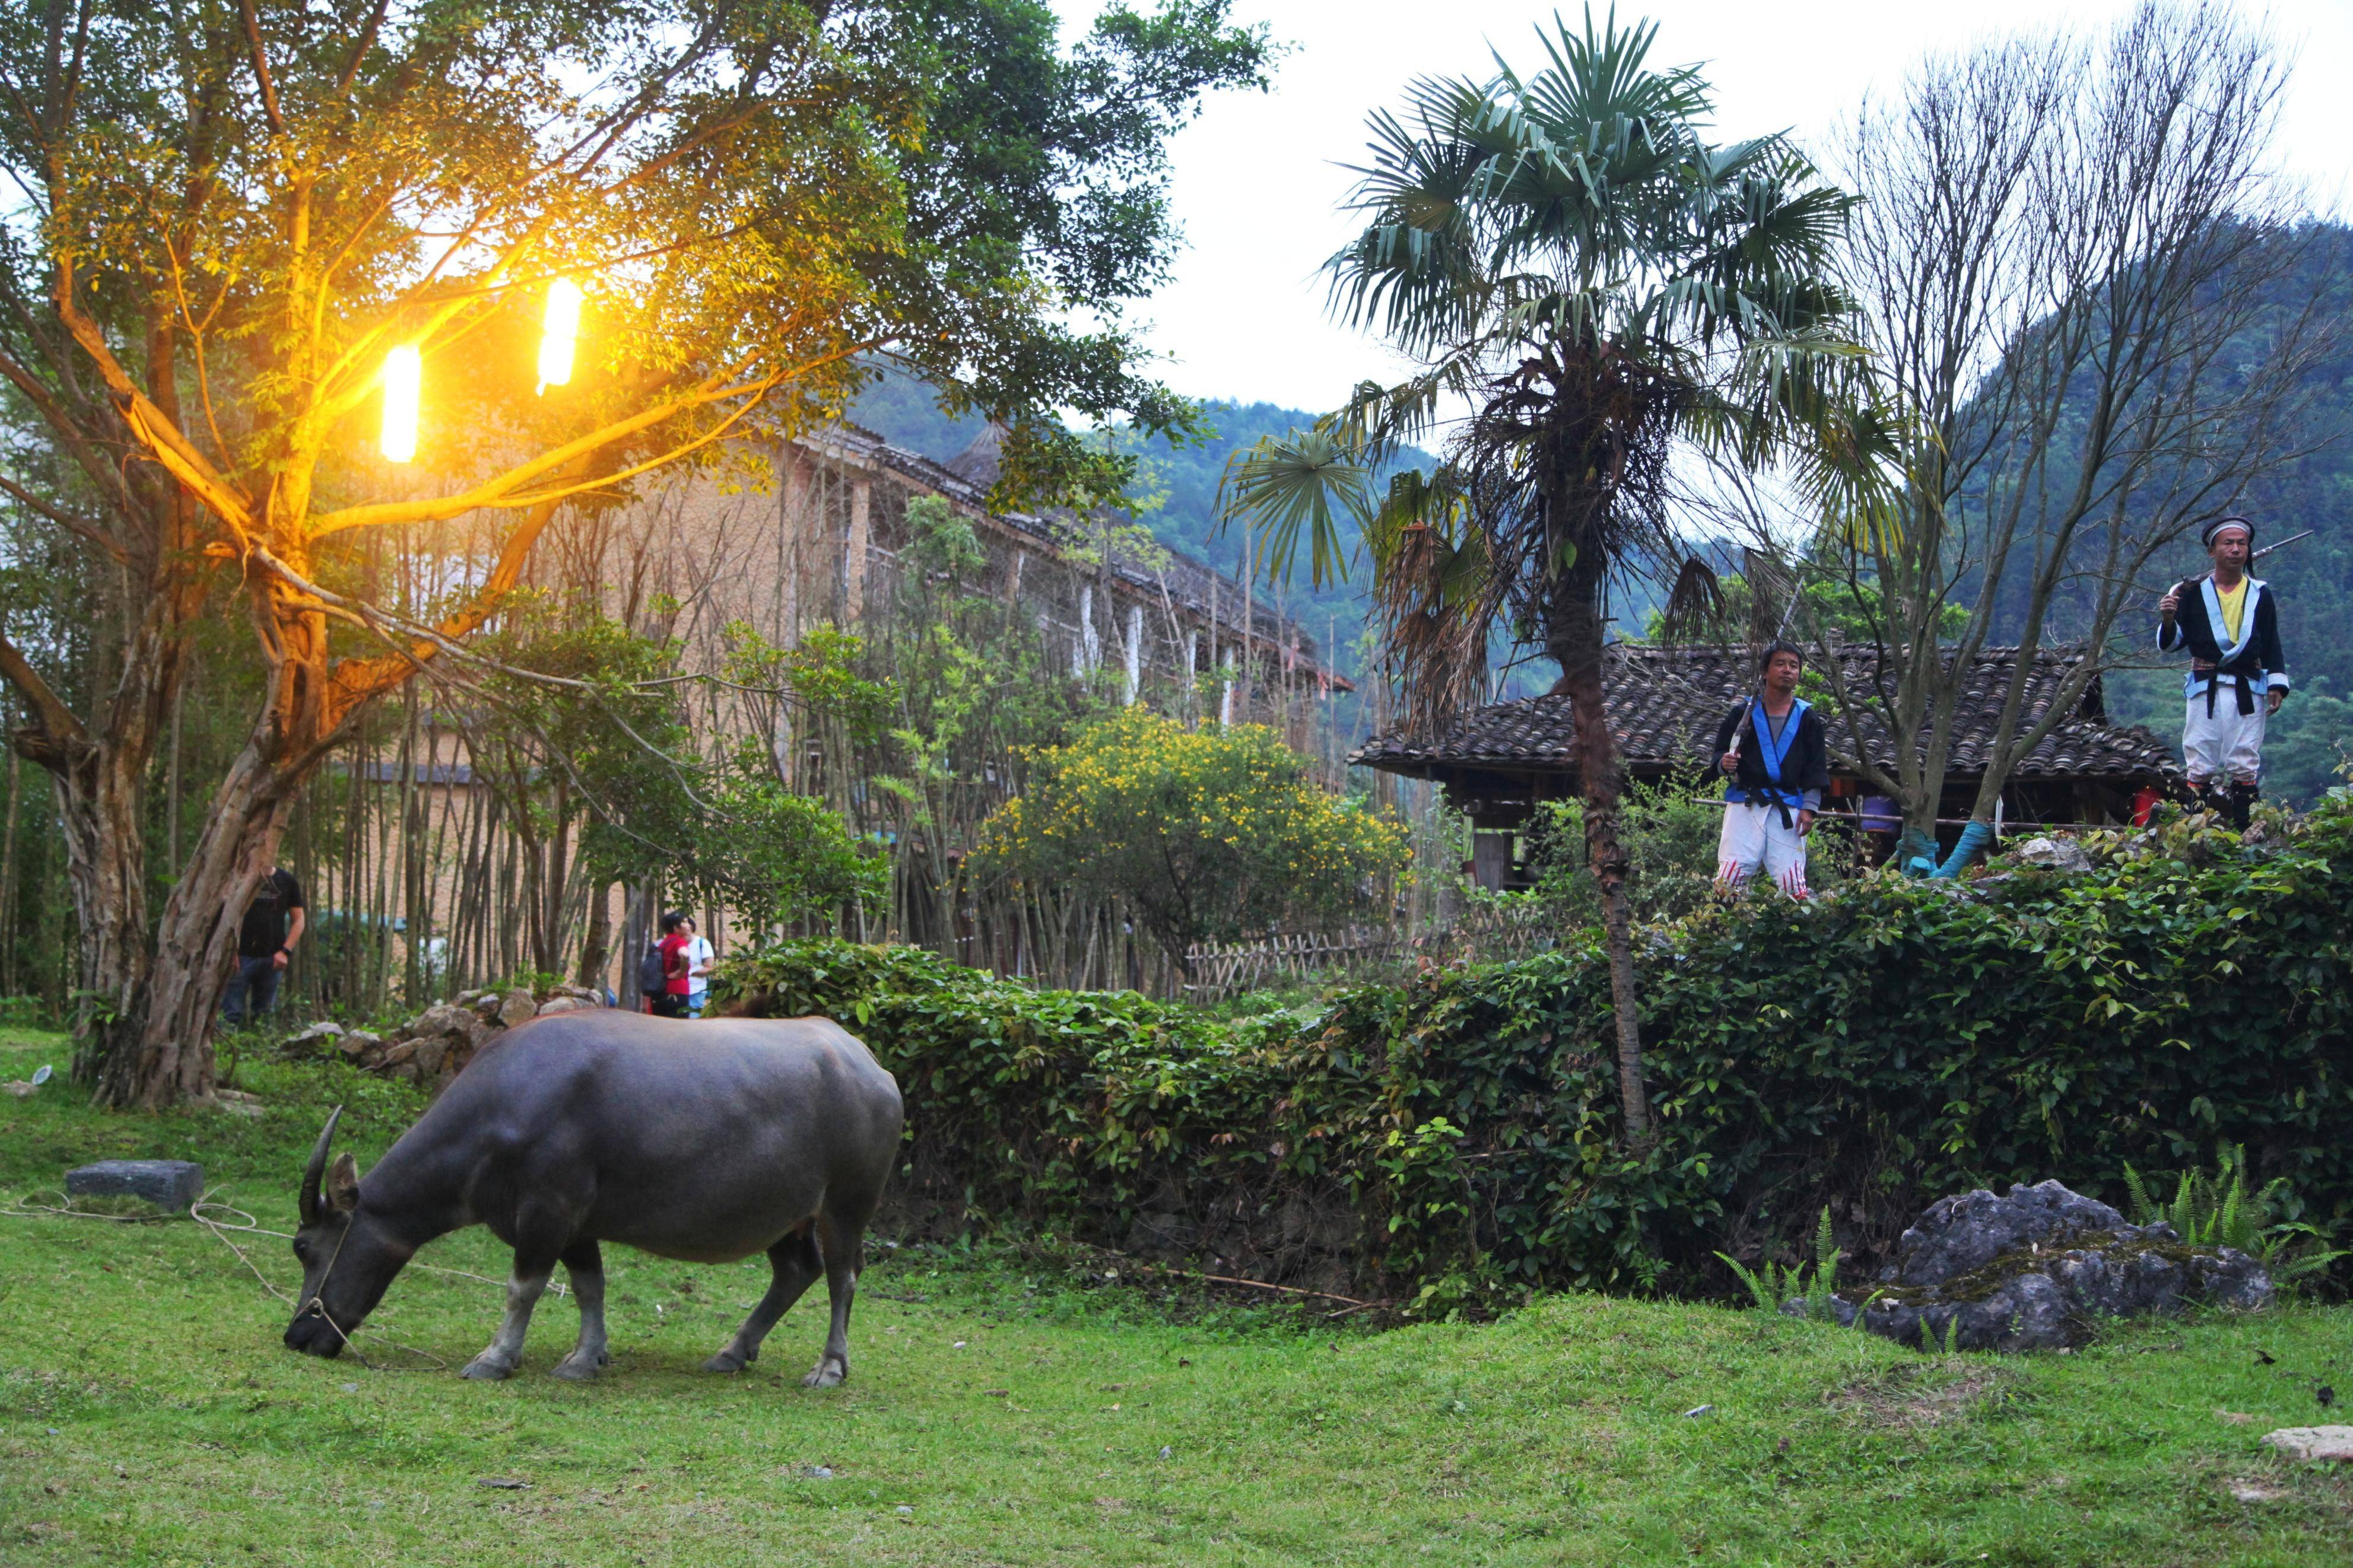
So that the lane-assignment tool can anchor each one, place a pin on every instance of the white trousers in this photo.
(2229, 746)
(1753, 839)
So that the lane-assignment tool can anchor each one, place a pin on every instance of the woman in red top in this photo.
(675, 980)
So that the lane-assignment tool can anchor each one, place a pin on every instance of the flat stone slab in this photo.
(2313, 1444)
(173, 1185)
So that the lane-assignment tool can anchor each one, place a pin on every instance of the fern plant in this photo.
(1952, 1346)
(2220, 1210)
(1772, 1283)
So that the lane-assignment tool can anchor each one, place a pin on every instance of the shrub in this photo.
(1870, 1051)
(1670, 830)
(1209, 835)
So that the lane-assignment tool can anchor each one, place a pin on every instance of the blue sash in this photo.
(1772, 756)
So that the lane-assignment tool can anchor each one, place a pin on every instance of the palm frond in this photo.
(1434, 590)
(1303, 479)
(1693, 604)
(1567, 255)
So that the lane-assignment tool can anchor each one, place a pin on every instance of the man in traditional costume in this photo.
(2238, 673)
(1776, 759)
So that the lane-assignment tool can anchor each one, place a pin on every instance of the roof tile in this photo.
(1665, 704)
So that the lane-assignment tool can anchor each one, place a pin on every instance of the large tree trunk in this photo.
(596, 945)
(99, 771)
(157, 1050)
(170, 1057)
(98, 810)
(1575, 641)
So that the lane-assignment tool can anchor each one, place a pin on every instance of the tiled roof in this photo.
(1665, 703)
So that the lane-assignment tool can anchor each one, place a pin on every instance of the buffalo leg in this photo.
(504, 1354)
(586, 1264)
(541, 1240)
(794, 1265)
(844, 1243)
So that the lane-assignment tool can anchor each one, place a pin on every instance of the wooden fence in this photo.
(1220, 970)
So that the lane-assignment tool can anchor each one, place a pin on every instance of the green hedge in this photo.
(1872, 1050)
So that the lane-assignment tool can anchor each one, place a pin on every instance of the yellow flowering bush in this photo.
(1209, 835)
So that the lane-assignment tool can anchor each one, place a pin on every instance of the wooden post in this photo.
(1135, 651)
(792, 506)
(853, 562)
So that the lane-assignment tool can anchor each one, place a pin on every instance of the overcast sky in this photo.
(1258, 179)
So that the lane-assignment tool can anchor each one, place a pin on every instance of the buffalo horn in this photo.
(314, 1203)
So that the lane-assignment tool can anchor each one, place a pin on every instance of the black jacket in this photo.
(1806, 768)
(2255, 663)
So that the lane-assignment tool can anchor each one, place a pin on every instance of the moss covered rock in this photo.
(2040, 1269)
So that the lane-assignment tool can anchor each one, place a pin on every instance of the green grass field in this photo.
(149, 1416)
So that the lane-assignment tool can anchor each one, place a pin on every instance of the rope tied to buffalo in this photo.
(203, 1211)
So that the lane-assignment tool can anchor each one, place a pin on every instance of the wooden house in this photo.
(1498, 764)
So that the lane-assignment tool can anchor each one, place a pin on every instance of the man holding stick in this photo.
(2238, 673)
(1775, 758)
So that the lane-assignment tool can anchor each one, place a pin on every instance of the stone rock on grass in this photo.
(1960, 1234)
(314, 1040)
(2032, 1270)
(173, 1185)
(450, 1021)
(2313, 1444)
(435, 1046)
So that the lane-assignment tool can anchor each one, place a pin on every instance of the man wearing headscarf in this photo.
(2238, 673)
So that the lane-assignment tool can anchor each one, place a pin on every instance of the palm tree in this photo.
(1564, 256)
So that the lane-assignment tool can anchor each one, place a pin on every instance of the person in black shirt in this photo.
(1775, 758)
(273, 924)
(2238, 677)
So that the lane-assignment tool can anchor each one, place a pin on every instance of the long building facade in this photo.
(1103, 597)
(429, 875)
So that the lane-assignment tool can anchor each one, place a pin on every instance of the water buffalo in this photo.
(706, 1142)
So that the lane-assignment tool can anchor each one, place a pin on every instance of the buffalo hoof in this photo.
(827, 1373)
(731, 1360)
(487, 1368)
(578, 1368)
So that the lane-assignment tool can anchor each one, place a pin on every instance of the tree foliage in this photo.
(777, 852)
(1209, 835)
(229, 214)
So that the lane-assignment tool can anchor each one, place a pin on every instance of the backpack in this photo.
(651, 980)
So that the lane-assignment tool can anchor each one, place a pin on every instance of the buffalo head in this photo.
(348, 1256)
